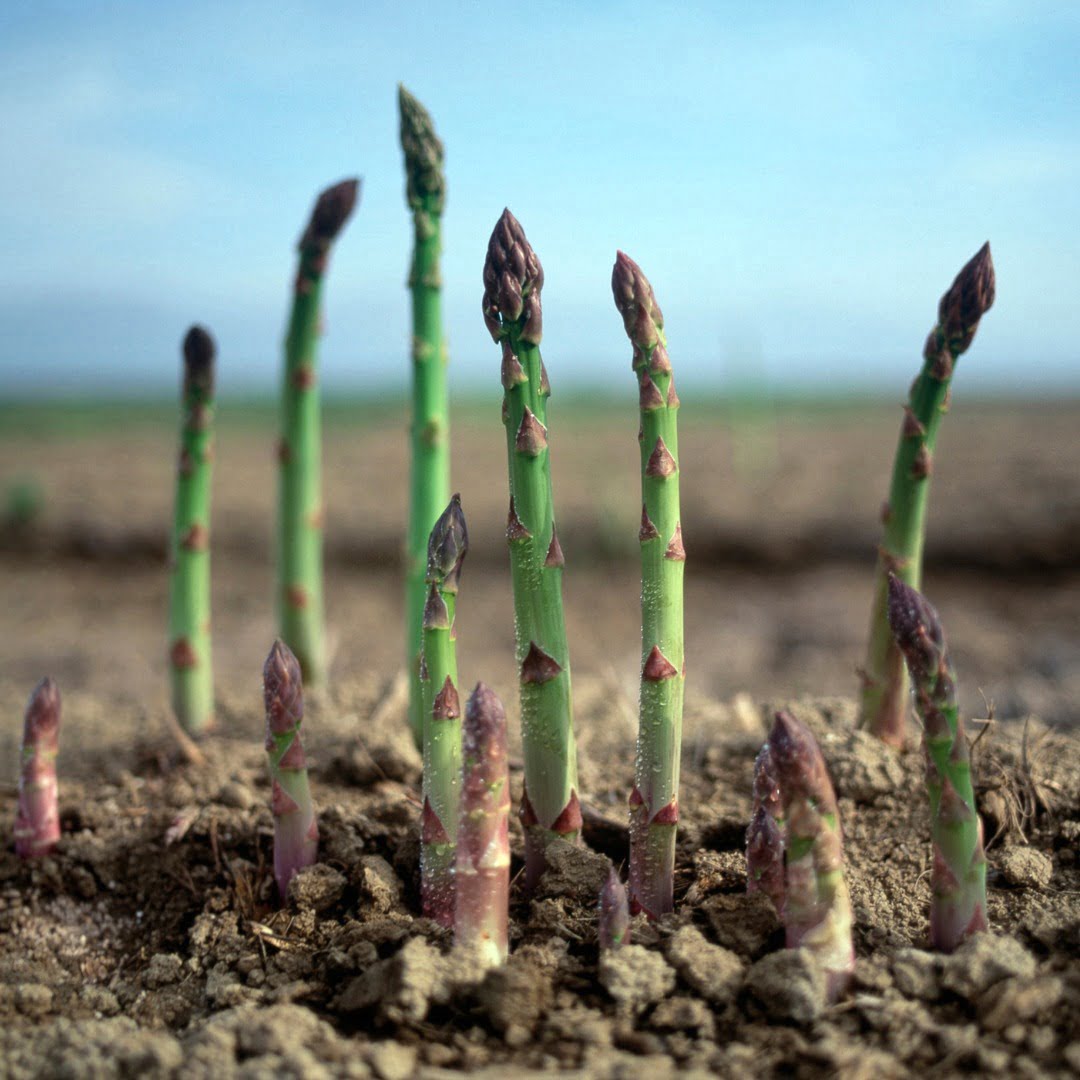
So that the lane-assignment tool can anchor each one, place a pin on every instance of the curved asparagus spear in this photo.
(483, 845)
(958, 878)
(513, 279)
(37, 820)
(190, 666)
(296, 833)
(816, 909)
(429, 482)
(765, 836)
(885, 687)
(447, 548)
(614, 913)
(654, 802)
(300, 507)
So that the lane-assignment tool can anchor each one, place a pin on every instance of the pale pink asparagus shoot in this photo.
(482, 894)
(614, 919)
(37, 821)
(296, 834)
(765, 837)
(817, 910)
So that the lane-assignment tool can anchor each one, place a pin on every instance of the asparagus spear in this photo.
(885, 687)
(816, 909)
(483, 844)
(37, 821)
(300, 508)
(654, 802)
(447, 547)
(765, 836)
(190, 667)
(429, 481)
(614, 920)
(296, 833)
(958, 878)
(513, 280)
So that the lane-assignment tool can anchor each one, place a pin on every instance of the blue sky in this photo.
(799, 181)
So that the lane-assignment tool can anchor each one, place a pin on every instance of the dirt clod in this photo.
(1019, 999)
(985, 959)
(789, 985)
(316, 888)
(714, 972)
(1025, 867)
(636, 977)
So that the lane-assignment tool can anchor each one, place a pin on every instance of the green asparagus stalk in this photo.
(190, 667)
(296, 833)
(300, 506)
(884, 704)
(513, 280)
(958, 878)
(483, 845)
(447, 547)
(614, 918)
(37, 820)
(765, 836)
(654, 802)
(816, 908)
(429, 480)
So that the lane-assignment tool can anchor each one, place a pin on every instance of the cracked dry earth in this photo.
(150, 943)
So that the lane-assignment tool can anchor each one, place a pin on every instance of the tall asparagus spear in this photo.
(429, 481)
(190, 666)
(513, 280)
(300, 507)
(885, 686)
(447, 548)
(816, 909)
(296, 833)
(654, 802)
(483, 844)
(958, 878)
(37, 820)
(765, 836)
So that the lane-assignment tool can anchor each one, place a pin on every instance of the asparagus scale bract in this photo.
(513, 280)
(447, 548)
(429, 478)
(816, 909)
(300, 505)
(958, 877)
(483, 839)
(37, 819)
(654, 802)
(765, 836)
(884, 703)
(190, 668)
(613, 928)
(296, 833)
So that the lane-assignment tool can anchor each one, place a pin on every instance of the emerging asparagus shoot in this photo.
(815, 907)
(429, 481)
(296, 834)
(190, 667)
(884, 704)
(483, 845)
(300, 507)
(513, 280)
(765, 836)
(447, 547)
(614, 913)
(958, 877)
(37, 820)
(654, 802)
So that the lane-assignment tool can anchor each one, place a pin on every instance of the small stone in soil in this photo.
(983, 960)
(790, 985)
(635, 976)
(1025, 867)
(392, 1060)
(714, 972)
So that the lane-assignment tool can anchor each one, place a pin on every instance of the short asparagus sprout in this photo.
(447, 547)
(190, 666)
(513, 280)
(296, 833)
(37, 820)
(654, 802)
(815, 906)
(300, 505)
(614, 913)
(885, 703)
(958, 877)
(765, 836)
(429, 479)
(483, 845)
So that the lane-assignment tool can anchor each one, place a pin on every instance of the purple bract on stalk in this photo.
(765, 836)
(37, 821)
(296, 834)
(614, 919)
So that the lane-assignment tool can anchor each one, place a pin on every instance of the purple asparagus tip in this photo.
(447, 547)
(614, 928)
(282, 690)
(423, 150)
(917, 628)
(37, 819)
(969, 298)
(636, 302)
(199, 352)
(332, 210)
(513, 281)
